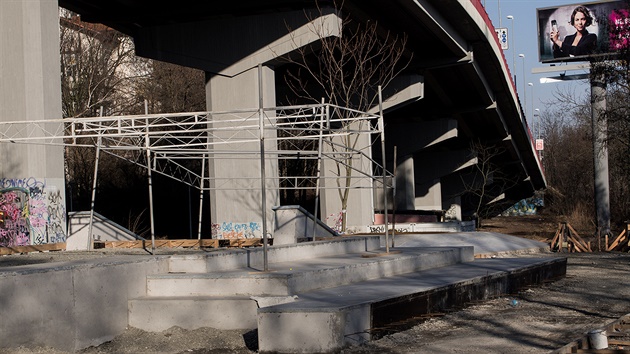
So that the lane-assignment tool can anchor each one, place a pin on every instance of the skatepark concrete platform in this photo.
(328, 296)
(315, 296)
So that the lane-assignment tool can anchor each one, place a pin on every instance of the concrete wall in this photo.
(71, 305)
(30, 89)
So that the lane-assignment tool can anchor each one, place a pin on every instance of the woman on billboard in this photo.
(580, 43)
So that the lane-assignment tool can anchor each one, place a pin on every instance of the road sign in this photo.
(502, 33)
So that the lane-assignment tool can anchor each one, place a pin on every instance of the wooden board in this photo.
(214, 243)
(33, 248)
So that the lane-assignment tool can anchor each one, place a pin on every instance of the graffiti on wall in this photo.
(527, 206)
(236, 230)
(30, 213)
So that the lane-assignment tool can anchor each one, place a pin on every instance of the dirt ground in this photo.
(595, 292)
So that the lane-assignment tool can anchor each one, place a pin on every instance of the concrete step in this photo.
(156, 314)
(221, 260)
(296, 277)
(327, 320)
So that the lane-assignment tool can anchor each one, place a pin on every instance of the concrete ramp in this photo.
(484, 243)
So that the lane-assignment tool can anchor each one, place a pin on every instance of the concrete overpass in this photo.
(456, 90)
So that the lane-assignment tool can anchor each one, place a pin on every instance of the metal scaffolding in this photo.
(167, 143)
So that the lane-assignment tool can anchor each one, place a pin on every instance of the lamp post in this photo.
(522, 56)
(536, 121)
(531, 103)
(511, 18)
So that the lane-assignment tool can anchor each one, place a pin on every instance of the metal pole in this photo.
(319, 164)
(394, 197)
(381, 124)
(499, 6)
(600, 150)
(263, 189)
(90, 245)
(147, 145)
(203, 174)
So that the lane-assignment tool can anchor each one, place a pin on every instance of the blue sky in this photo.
(525, 39)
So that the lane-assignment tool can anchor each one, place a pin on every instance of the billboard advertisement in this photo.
(583, 31)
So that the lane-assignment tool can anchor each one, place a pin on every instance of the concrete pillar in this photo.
(428, 196)
(31, 176)
(360, 209)
(453, 207)
(600, 150)
(236, 203)
(405, 187)
(229, 51)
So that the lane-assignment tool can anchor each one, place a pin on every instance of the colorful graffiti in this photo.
(30, 213)
(236, 230)
(527, 206)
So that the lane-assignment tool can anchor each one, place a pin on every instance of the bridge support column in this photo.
(31, 176)
(236, 201)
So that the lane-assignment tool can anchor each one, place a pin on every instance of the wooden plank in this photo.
(618, 342)
(60, 246)
(556, 238)
(577, 237)
(577, 245)
(617, 241)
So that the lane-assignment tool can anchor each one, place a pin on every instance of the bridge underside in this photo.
(452, 113)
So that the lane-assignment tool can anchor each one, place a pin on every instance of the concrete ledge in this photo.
(328, 320)
(253, 258)
(289, 278)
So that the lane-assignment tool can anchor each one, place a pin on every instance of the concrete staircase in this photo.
(321, 296)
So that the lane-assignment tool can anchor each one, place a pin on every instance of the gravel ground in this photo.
(595, 292)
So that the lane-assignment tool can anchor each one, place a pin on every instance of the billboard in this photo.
(583, 31)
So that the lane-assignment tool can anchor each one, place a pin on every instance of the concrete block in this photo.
(312, 331)
(159, 314)
(71, 305)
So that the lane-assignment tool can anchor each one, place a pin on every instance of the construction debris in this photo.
(568, 240)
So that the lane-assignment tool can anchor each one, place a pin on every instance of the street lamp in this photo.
(511, 18)
(524, 87)
(537, 130)
(531, 103)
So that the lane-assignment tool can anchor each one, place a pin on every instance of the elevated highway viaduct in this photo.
(455, 95)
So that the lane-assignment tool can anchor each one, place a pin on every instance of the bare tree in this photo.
(486, 181)
(100, 70)
(346, 71)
